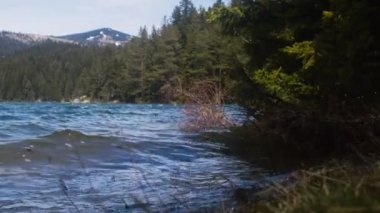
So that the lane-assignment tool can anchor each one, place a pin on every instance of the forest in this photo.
(303, 53)
(307, 69)
(187, 48)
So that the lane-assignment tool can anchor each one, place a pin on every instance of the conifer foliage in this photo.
(150, 68)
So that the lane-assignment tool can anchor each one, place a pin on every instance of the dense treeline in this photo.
(55, 71)
(150, 68)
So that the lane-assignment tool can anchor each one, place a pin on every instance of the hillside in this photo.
(11, 42)
(103, 36)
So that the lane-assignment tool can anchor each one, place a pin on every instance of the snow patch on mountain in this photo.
(90, 38)
(100, 37)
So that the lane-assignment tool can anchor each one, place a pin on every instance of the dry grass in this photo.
(335, 188)
(204, 106)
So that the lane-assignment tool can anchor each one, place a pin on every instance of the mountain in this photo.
(103, 36)
(29, 39)
(11, 42)
(9, 45)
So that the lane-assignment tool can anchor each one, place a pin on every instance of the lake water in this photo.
(112, 158)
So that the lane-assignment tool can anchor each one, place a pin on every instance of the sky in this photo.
(62, 17)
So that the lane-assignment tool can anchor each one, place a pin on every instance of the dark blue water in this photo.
(112, 158)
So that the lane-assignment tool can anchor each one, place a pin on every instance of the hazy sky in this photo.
(60, 17)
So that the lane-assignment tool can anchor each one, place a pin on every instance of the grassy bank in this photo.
(333, 187)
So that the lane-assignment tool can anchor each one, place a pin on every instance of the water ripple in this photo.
(111, 157)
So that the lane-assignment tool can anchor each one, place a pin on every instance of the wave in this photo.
(72, 135)
(66, 146)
